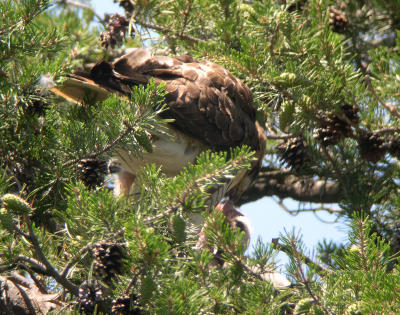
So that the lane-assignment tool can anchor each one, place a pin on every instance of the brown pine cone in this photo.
(331, 127)
(351, 112)
(117, 27)
(330, 130)
(91, 293)
(372, 146)
(108, 259)
(125, 305)
(338, 20)
(294, 153)
(92, 172)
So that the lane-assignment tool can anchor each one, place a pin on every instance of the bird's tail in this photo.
(78, 88)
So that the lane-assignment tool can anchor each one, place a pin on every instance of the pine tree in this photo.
(325, 78)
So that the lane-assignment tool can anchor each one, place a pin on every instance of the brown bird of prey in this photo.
(210, 109)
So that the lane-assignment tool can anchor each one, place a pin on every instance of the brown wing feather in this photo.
(205, 100)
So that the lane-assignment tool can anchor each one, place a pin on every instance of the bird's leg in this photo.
(123, 183)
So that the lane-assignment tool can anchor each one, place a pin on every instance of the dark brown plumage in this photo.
(210, 107)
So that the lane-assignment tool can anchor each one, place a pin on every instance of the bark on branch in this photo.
(18, 295)
(284, 184)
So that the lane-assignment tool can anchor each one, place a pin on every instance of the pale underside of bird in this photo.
(209, 106)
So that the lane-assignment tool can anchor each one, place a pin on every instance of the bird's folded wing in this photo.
(205, 101)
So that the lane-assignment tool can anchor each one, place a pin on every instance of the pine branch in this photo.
(187, 13)
(285, 184)
(307, 260)
(84, 250)
(15, 179)
(170, 32)
(82, 6)
(38, 284)
(24, 20)
(391, 109)
(73, 289)
(37, 266)
(73, 261)
(299, 259)
(163, 214)
(20, 232)
(337, 169)
(280, 137)
(314, 210)
(107, 148)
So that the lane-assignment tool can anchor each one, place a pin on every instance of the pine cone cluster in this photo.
(91, 293)
(117, 26)
(294, 153)
(126, 304)
(331, 128)
(108, 259)
(372, 146)
(92, 172)
(338, 20)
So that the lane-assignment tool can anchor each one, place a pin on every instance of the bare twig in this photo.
(17, 278)
(325, 221)
(166, 31)
(391, 109)
(387, 130)
(285, 183)
(317, 209)
(335, 167)
(160, 215)
(132, 282)
(280, 137)
(82, 6)
(15, 179)
(105, 149)
(38, 266)
(307, 260)
(20, 232)
(73, 289)
(38, 284)
(187, 13)
(73, 261)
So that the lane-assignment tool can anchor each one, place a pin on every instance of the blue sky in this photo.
(268, 219)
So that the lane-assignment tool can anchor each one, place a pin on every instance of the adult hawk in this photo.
(210, 108)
